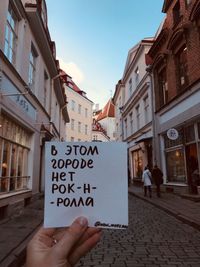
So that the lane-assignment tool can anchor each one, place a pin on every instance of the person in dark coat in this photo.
(157, 176)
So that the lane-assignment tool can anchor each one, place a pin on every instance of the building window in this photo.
(86, 129)
(11, 35)
(138, 163)
(32, 68)
(79, 126)
(46, 78)
(73, 104)
(146, 109)
(182, 67)
(137, 76)
(14, 149)
(162, 87)
(175, 165)
(130, 87)
(172, 143)
(79, 109)
(137, 110)
(131, 122)
(72, 124)
(126, 128)
(189, 133)
(176, 13)
(86, 112)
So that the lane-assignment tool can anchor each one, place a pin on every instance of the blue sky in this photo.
(93, 38)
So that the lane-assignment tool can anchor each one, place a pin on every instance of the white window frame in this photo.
(10, 42)
(32, 67)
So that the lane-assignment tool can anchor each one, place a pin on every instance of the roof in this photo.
(107, 111)
(71, 84)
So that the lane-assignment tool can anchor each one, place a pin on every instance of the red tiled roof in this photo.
(108, 111)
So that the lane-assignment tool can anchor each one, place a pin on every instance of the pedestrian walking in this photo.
(146, 179)
(157, 176)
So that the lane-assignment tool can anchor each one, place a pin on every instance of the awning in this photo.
(144, 139)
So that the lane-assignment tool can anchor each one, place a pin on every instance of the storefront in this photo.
(182, 156)
(141, 156)
(14, 150)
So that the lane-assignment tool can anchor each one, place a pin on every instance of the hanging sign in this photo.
(172, 134)
(86, 179)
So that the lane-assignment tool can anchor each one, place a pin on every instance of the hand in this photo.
(62, 247)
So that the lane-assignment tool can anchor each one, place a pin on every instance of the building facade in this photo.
(80, 112)
(98, 132)
(32, 101)
(175, 67)
(133, 109)
(106, 118)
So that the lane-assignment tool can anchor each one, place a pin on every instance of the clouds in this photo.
(73, 70)
(94, 88)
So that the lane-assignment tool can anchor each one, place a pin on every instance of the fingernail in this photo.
(82, 221)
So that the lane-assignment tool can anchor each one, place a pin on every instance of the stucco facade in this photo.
(32, 101)
(133, 109)
(80, 113)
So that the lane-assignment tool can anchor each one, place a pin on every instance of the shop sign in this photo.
(11, 91)
(172, 134)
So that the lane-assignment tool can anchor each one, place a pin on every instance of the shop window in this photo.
(13, 156)
(189, 133)
(138, 163)
(172, 143)
(11, 35)
(182, 67)
(175, 166)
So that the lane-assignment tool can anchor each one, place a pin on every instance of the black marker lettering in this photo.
(71, 176)
(86, 188)
(69, 150)
(54, 152)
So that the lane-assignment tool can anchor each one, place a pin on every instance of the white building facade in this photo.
(80, 112)
(133, 109)
(32, 101)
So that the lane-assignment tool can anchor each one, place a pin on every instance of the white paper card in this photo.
(86, 179)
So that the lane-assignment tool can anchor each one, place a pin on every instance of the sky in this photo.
(93, 38)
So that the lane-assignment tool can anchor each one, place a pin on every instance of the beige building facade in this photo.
(80, 112)
(32, 101)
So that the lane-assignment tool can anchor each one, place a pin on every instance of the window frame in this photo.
(11, 35)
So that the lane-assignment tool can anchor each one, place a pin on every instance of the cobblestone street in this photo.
(153, 238)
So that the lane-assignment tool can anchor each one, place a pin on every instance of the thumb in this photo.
(71, 236)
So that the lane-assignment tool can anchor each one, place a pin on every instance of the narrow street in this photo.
(153, 238)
